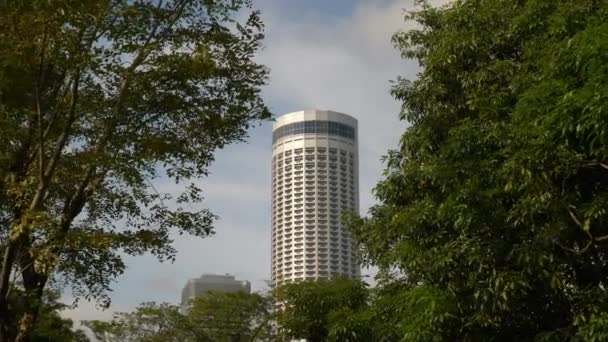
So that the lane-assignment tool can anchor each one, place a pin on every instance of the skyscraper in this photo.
(212, 282)
(315, 176)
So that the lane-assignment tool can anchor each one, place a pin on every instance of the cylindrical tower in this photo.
(315, 176)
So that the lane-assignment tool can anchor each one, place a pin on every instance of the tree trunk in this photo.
(8, 262)
(29, 316)
(34, 283)
(26, 323)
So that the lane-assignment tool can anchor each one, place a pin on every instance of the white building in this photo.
(315, 176)
(212, 282)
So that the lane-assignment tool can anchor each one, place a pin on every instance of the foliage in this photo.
(324, 310)
(232, 316)
(215, 316)
(51, 326)
(97, 99)
(147, 323)
(492, 222)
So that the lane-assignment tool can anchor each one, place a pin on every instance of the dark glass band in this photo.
(315, 127)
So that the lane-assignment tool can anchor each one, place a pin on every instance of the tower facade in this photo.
(213, 282)
(315, 176)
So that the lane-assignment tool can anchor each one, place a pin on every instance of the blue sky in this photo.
(325, 54)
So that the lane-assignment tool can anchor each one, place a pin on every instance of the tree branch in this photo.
(587, 246)
(597, 163)
(601, 238)
(63, 138)
(16, 244)
(578, 222)
(70, 84)
(579, 252)
(126, 82)
(37, 86)
(53, 116)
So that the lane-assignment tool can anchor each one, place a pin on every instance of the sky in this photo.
(322, 54)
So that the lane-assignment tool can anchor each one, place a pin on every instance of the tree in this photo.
(97, 99)
(232, 316)
(325, 310)
(51, 326)
(492, 222)
(215, 316)
(150, 322)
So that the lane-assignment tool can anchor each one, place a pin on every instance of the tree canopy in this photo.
(213, 317)
(97, 100)
(232, 316)
(325, 310)
(492, 222)
(51, 326)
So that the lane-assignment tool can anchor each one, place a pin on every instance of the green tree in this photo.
(213, 317)
(327, 310)
(232, 316)
(492, 222)
(149, 322)
(97, 99)
(51, 326)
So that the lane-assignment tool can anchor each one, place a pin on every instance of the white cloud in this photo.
(344, 65)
